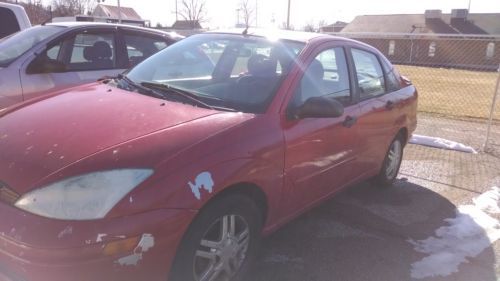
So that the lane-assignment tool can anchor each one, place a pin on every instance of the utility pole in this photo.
(176, 12)
(288, 16)
(256, 13)
(119, 12)
(468, 9)
(237, 17)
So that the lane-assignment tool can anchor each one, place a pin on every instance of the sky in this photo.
(222, 13)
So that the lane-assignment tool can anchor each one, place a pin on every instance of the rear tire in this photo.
(392, 163)
(221, 242)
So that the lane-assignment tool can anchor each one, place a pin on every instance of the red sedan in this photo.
(176, 168)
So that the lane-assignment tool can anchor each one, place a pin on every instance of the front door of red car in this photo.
(321, 153)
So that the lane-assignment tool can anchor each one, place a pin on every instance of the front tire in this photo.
(392, 163)
(221, 242)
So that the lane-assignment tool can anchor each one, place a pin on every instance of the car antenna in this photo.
(245, 32)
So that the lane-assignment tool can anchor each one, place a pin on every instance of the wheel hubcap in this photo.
(393, 160)
(222, 249)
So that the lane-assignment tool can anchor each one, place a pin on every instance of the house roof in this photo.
(127, 13)
(416, 23)
(187, 24)
(336, 24)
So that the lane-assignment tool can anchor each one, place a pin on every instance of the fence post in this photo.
(492, 110)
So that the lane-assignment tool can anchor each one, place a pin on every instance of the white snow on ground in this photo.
(441, 143)
(472, 230)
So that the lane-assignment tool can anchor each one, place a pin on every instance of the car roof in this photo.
(279, 34)
(78, 24)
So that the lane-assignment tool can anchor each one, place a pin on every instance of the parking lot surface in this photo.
(431, 225)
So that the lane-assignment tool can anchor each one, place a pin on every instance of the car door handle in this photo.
(389, 105)
(349, 121)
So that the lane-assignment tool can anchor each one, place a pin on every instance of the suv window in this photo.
(8, 22)
(140, 47)
(91, 51)
(370, 75)
(327, 75)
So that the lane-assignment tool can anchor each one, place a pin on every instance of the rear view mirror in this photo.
(319, 107)
(43, 64)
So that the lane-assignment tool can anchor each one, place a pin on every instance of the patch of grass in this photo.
(453, 92)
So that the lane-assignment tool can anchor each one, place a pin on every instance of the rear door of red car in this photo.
(377, 122)
(321, 152)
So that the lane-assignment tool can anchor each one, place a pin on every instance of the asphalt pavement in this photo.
(431, 225)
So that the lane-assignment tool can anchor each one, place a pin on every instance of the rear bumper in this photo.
(38, 249)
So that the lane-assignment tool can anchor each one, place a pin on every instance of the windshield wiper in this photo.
(142, 89)
(180, 92)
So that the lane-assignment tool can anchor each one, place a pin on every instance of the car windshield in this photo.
(19, 43)
(228, 71)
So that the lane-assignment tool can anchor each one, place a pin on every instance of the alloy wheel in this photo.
(222, 250)
(393, 159)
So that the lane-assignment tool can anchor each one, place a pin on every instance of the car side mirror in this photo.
(43, 64)
(319, 107)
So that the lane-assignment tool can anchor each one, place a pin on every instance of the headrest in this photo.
(260, 65)
(99, 51)
(315, 70)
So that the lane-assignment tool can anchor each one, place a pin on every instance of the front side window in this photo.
(370, 76)
(233, 71)
(326, 76)
(16, 45)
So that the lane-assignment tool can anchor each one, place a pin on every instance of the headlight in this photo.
(85, 197)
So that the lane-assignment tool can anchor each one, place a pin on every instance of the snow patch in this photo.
(467, 234)
(145, 244)
(441, 143)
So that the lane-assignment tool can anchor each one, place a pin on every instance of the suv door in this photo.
(378, 102)
(321, 153)
(84, 56)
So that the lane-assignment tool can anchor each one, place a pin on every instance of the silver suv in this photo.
(50, 57)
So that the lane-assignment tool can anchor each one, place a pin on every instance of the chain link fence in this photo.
(457, 78)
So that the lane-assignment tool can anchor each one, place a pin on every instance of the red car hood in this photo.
(41, 138)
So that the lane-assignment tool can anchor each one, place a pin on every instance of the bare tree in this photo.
(193, 10)
(36, 12)
(283, 25)
(310, 27)
(248, 11)
(64, 8)
(322, 23)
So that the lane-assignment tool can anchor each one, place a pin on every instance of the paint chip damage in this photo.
(147, 242)
(203, 180)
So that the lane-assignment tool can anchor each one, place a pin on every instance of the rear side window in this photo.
(8, 22)
(371, 82)
(140, 47)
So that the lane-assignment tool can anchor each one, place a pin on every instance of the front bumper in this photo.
(33, 248)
